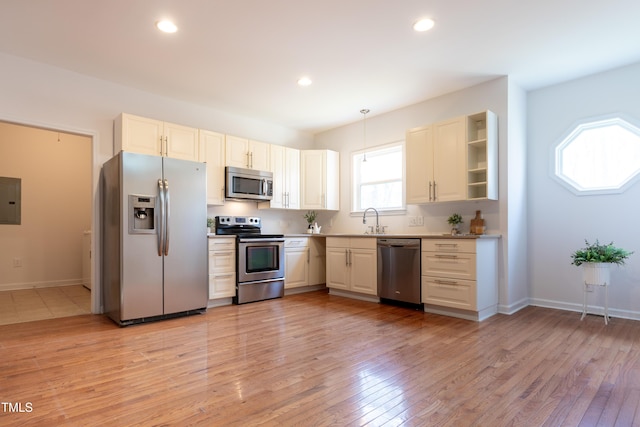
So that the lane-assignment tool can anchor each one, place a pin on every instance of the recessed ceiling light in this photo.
(424, 25)
(166, 26)
(304, 81)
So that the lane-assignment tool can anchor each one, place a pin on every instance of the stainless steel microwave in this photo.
(248, 184)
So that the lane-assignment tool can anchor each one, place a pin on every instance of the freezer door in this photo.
(186, 253)
(141, 288)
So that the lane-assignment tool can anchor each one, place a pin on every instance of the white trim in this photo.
(39, 285)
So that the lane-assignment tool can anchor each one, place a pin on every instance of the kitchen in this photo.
(530, 123)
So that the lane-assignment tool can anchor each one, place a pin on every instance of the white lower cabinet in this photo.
(351, 264)
(304, 262)
(460, 277)
(296, 262)
(222, 267)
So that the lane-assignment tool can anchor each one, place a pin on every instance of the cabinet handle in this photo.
(349, 256)
(346, 257)
(446, 256)
(455, 245)
(434, 191)
(251, 158)
(446, 282)
(430, 185)
(308, 256)
(161, 145)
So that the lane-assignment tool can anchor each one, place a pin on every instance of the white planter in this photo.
(596, 273)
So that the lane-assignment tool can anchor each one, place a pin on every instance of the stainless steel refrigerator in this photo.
(154, 253)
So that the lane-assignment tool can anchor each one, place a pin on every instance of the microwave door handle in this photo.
(264, 187)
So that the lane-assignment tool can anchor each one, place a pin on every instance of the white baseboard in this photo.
(599, 310)
(33, 285)
(515, 307)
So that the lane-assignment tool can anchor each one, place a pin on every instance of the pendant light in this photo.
(364, 113)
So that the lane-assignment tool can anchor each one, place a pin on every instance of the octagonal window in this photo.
(599, 157)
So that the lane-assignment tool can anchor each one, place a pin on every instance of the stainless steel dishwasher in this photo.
(399, 270)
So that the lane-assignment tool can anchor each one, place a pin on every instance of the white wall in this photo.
(38, 94)
(559, 221)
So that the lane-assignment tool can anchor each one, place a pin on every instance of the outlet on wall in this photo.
(17, 262)
(416, 221)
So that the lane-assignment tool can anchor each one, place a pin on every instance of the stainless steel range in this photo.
(259, 258)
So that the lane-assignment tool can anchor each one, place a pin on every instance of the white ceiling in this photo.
(245, 56)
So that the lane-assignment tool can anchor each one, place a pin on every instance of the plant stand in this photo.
(596, 274)
(587, 290)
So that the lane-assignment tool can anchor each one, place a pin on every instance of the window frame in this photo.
(352, 183)
(573, 132)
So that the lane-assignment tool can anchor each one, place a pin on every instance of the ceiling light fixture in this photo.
(364, 113)
(423, 25)
(304, 81)
(166, 26)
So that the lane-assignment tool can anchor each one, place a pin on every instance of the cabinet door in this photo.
(363, 275)
(259, 156)
(138, 135)
(212, 152)
(181, 142)
(292, 178)
(296, 264)
(337, 269)
(237, 152)
(419, 161)
(313, 183)
(449, 160)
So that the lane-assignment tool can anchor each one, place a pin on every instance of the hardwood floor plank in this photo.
(320, 360)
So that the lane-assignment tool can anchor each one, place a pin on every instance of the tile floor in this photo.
(26, 305)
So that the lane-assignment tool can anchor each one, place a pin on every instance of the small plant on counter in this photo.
(311, 216)
(455, 219)
(595, 252)
(209, 222)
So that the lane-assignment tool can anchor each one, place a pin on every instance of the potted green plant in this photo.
(596, 259)
(310, 216)
(455, 220)
(209, 224)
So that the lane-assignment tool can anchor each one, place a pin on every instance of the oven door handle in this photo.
(259, 240)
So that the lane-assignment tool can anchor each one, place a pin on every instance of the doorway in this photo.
(41, 258)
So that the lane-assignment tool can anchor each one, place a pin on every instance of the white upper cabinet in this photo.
(148, 136)
(212, 152)
(320, 172)
(449, 165)
(248, 154)
(453, 160)
(285, 165)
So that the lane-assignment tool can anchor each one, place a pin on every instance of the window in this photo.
(379, 181)
(599, 157)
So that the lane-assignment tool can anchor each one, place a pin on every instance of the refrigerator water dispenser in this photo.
(142, 216)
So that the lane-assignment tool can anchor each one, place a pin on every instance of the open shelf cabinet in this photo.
(482, 156)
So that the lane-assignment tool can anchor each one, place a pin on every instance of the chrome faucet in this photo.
(364, 219)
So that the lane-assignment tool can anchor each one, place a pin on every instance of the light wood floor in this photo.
(27, 305)
(314, 360)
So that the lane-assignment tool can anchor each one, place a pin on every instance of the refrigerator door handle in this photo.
(167, 217)
(160, 226)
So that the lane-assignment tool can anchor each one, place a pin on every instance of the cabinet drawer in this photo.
(453, 265)
(296, 242)
(363, 243)
(449, 245)
(338, 242)
(222, 285)
(222, 243)
(222, 262)
(449, 292)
